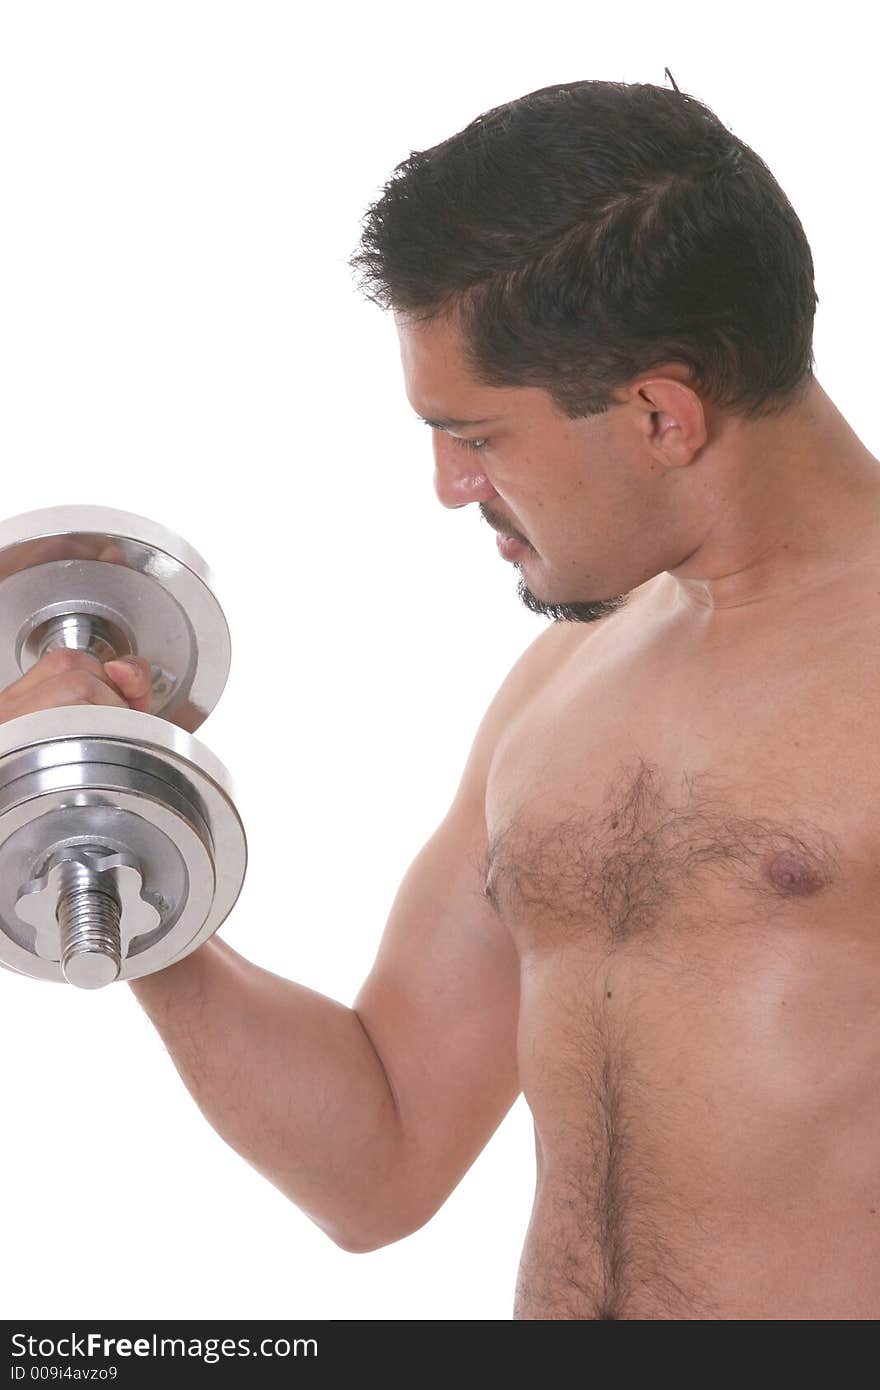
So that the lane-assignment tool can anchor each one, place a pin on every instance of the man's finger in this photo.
(133, 676)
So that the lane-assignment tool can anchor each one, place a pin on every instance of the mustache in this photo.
(502, 528)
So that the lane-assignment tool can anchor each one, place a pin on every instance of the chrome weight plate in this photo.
(133, 586)
(126, 793)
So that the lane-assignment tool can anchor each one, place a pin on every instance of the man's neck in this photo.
(797, 508)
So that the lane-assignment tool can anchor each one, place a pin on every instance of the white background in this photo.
(180, 336)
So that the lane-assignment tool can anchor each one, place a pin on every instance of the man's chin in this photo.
(573, 611)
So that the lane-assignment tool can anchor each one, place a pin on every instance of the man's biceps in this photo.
(446, 976)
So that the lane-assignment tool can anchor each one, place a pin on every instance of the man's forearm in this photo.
(290, 1079)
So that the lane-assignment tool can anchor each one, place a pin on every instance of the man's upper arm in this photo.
(441, 1002)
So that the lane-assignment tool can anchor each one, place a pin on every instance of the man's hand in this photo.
(68, 677)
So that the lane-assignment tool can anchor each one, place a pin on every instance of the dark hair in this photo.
(590, 231)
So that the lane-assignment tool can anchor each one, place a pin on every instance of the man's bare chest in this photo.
(658, 785)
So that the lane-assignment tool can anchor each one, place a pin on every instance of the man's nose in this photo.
(457, 479)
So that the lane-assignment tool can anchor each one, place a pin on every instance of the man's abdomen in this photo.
(708, 1135)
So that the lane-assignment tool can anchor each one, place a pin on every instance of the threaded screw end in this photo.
(89, 914)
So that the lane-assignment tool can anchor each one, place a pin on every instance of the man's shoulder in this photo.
(551, 647)
(538, 664)
(561, 640)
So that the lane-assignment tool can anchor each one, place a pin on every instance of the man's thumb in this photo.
(134, 677)
(124, 668)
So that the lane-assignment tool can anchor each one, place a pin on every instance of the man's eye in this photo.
(469, 443)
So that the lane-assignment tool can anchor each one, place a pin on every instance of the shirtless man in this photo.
(652, 905)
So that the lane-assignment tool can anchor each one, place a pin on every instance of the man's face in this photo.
(581, 493)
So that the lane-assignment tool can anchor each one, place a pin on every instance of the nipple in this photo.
(792, 873)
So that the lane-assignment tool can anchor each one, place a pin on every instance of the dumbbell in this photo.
(121, 850)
